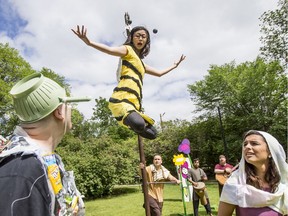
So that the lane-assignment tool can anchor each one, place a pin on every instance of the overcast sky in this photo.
(206, 31)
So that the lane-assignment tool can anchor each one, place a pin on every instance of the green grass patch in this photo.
(128, 201)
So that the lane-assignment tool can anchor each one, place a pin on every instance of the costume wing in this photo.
(118, 72)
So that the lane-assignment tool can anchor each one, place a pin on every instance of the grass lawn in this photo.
(128, 201)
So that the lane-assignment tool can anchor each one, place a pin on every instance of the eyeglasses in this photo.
(144, 36)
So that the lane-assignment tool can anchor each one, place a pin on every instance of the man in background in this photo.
(196, 175)
(156, 177)
(222, 171)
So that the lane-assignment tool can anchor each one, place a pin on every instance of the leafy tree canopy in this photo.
(274, 30)
(253, 95)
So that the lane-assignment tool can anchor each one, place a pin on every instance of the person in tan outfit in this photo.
(156, 173)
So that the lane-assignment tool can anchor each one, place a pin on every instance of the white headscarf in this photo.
(237, 192)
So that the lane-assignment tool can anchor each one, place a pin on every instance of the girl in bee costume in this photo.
(126, 100)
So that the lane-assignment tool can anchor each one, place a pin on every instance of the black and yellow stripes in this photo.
(127, 96)
(134, 69)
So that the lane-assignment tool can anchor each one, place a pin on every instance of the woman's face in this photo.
(139, 39)
(255, 150)
(157, 161)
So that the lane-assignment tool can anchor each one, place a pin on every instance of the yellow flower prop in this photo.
(179, 159)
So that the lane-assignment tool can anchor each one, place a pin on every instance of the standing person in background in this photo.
(156, 173)
(126, 100)
(197, 175)
(33, 180)
(260, 185)
(222, 172)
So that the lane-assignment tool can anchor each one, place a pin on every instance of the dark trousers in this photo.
(220, 188)
(138, 125)
(196, 207)
(155, 206)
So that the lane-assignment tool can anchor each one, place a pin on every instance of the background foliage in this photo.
(274, 34)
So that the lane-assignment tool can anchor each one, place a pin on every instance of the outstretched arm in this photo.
(115, 51)
(173, 179)
(159, 73)
(192, 182)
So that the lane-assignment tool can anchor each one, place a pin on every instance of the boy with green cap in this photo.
(33, 180)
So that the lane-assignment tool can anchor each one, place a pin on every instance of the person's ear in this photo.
(59, 112)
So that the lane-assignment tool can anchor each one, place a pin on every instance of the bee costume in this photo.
(127, 96)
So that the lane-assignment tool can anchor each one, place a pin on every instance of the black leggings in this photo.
(138, 125)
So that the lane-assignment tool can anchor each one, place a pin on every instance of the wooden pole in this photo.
(144, 176)
(161, 183)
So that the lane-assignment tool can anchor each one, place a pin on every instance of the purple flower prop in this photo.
(184, 146)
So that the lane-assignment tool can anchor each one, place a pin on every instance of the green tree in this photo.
(102, 117)
(167, 142)
(12, 68)
(99, 163)
(253, 96)
(274, 30)
(104, 123)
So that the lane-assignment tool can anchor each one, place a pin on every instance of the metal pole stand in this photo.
(144, 176)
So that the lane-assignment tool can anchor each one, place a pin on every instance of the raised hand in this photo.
(179, 61)
(82, 34)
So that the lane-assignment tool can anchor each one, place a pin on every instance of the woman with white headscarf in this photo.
(260, 185)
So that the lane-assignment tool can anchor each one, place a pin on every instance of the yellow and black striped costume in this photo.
(127, 96)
